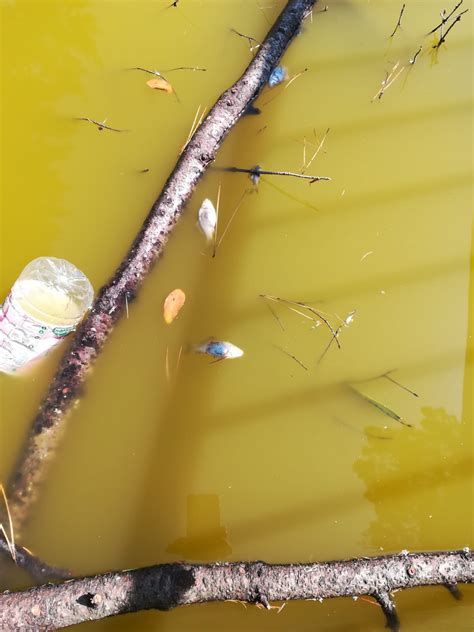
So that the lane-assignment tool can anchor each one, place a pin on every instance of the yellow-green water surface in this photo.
(258, 457)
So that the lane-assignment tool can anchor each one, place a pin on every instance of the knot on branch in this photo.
(90, 600)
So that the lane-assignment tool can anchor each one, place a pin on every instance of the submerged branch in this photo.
(36, 568)
(113, 299)
(169, 585)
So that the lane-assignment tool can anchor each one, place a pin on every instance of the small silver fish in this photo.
(219, 349)
(277, 76)
(207, 219)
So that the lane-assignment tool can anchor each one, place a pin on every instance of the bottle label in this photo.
(23, 338)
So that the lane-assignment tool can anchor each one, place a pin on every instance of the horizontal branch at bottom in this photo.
(166, 586)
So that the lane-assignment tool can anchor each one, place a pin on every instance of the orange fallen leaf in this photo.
(159, 83)
(172, 305)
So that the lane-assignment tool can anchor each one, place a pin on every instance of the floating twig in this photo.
(445, 18)
(257, 171)
(249, 38)
(442, 39)
(229, 222)
(290, 355)
(318, 149)
(389, 79)
(412, 60)
(157, 73)
(289, 303)
(344, 323)
(100, 125)
(217, 220)
(194, 126)
(405, 388)
(9, 539)
(275, 315)
(382, 408)
(399, 23)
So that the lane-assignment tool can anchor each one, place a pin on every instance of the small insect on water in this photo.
(207, 219)
(278, 75)
(219, 349)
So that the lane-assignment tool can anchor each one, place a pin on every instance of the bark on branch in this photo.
(65, 389)
(166, 586)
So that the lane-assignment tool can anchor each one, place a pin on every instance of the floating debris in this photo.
(3, 531)
(160, 83)
(219, 349)
(382, 408)
(207, 219)
(399, 23)
(278, 75)
(293, 357)
(405, 388)
(173, 304)
(253, 43)
(101, 125)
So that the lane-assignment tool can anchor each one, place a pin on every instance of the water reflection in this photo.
(206, 538)
(419, 485)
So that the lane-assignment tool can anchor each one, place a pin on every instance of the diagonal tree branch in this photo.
(166, 586)
(65, 389)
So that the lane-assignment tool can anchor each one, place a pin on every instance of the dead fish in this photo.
(207, 219)
(219, 349)
(277, 76)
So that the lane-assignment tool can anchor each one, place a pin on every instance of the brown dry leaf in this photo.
(159, 83)
(173, 304)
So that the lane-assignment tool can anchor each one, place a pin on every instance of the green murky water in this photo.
(257, 458)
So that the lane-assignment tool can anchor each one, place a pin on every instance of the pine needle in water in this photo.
(9, 540)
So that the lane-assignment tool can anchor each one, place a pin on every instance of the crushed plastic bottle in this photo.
(46, 303)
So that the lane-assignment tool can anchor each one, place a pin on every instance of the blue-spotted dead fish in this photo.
(278, 75)
(218, 349)
(207, 219)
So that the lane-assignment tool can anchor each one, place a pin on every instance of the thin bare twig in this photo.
(313, 311)
(405, 388)
(290, 355)
(250, 39)
(275, 315)
(445, 18)
(389, 79)
(320, 146)
(399, 23)
(412, 60)
(229, 223)
(217, 220)
(100, 125)
(157, 73)
(256, 171)
(443, 37)
(9, 539)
